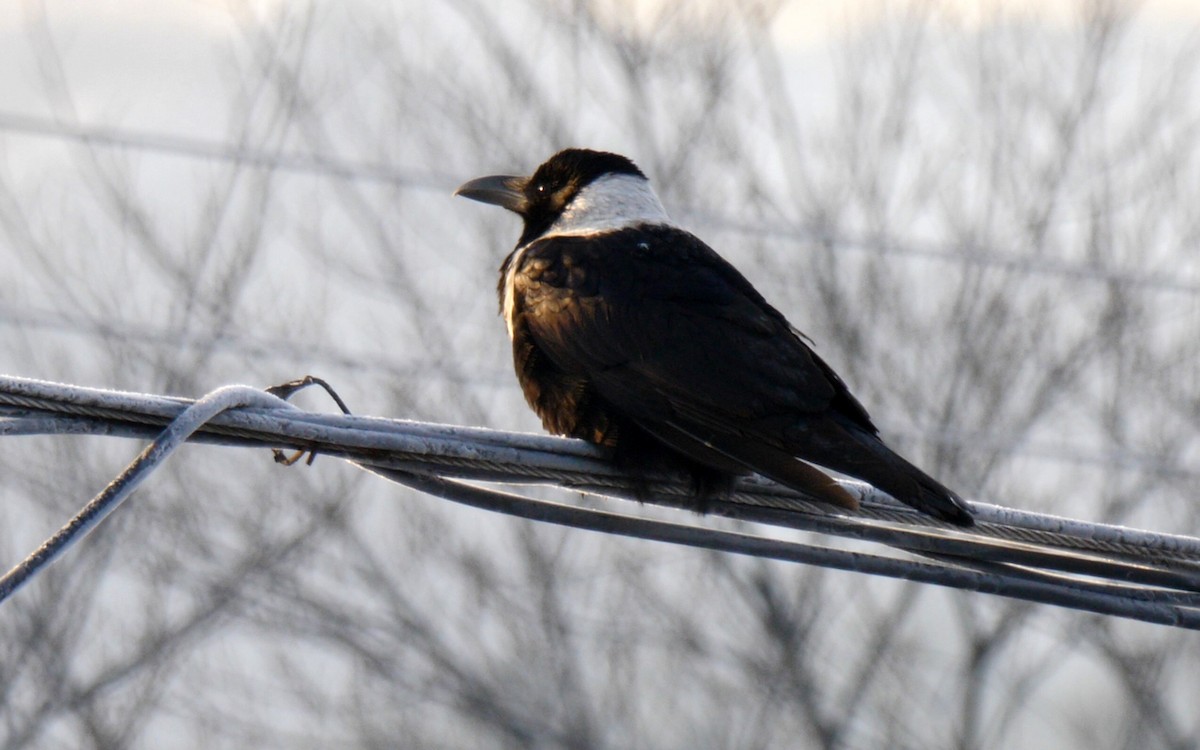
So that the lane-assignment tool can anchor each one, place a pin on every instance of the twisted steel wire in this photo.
(1097, 567)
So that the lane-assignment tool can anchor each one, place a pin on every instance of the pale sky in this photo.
(154, 64)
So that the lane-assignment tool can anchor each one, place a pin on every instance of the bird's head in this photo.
(576, 191)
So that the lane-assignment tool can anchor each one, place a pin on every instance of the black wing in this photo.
(652, 322)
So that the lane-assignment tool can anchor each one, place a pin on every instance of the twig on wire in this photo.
(285, 391)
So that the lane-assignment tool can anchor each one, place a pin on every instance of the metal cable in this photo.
(1096, 567)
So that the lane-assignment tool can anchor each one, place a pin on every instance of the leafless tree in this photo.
(988, 225)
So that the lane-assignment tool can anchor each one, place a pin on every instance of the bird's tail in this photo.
(927, 495)
(730, 454)
(864, 456)
(828, 443)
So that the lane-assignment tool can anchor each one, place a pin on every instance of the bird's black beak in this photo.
(500, 190)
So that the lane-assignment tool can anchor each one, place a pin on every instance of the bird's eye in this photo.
(540, 188)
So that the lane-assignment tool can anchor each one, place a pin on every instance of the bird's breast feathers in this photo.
(618, 264)
(507, 287)
(611, 204)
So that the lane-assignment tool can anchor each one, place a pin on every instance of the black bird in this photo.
(631, 333)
